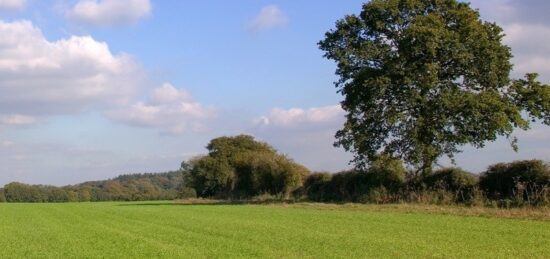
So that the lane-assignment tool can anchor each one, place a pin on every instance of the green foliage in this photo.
(347, 186)
(2, 196)
(420, 78)
(241, 167)
(19, 192)
(186, 193)
(227, 147)
(134, 187)
(450, 179)
(386, 172)
(385, 177)
(211, 177)
(315, 186)
(520, 181)
(454, 182)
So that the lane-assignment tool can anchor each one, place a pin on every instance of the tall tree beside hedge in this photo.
(420, 78)
(241, 167)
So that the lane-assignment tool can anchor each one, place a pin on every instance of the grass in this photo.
(167, 229)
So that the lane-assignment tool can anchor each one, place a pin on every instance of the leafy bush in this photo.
(386, 172)
(347, 186)
(520, 181)
(186, 193)
(316, 185)
(2, 197)
(211, 177)
(241, 167)
(379, 183)
(456, 181)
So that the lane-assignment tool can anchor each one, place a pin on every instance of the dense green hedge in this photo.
(520, 181)
(504, 184)
(244, 175)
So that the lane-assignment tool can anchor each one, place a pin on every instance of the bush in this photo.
(211, 177)
(347, 186)
(187, 193)
(240, 168)
(2, 197)
(386, 172)
(456, 181)
(380, 183)
(525, 181)
(316, 185)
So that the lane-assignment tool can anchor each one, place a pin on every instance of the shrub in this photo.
(316, 186)
(519, 181)
(241, 167)
(347, 186)
(187, 193)
(380, 183)
(211, 177)
(453, 180)
(386, 172)
(2, 197)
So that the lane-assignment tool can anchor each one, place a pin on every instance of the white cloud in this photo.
(12, 4)
(269, 17)
(16, 119)
(296, 117)
(527, 28)
(38, 76)
(306, 135)
(109, 12)
(530, 44)
(168, 109)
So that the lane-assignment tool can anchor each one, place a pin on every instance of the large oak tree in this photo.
(421, 78)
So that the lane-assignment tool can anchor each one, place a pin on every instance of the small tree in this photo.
(423, 77)
(211, 177)
(241, 167)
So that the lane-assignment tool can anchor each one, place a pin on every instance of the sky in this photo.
(90, 89)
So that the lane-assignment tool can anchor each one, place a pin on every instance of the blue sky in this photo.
(95, 88)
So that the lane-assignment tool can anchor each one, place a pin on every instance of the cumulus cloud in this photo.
(297, 117)
(12, 4)
(269, 17)
(44, 77)
(530, 44)
(168, 109)
(305, 134)
(527, 28)
(109, 12)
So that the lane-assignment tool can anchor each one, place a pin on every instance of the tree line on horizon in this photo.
(242, 168)
(128, 187)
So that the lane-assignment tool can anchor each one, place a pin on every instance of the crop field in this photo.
(169, 230)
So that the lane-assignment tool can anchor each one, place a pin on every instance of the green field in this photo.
(165, 229)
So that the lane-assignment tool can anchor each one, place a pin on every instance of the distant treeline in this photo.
(241, 168)
(131, 187)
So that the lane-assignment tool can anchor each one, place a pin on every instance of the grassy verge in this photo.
(533, 213)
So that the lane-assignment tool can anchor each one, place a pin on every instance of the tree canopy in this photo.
(241, 167)
(421, 78)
